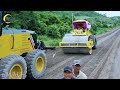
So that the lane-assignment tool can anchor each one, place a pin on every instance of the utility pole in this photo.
(72, 21)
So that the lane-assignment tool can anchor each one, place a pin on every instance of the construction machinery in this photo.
(80, 40)
(21, 55)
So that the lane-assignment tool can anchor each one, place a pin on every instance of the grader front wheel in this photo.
(36, 63)
(13, 67)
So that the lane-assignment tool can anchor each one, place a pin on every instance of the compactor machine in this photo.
(80, 40)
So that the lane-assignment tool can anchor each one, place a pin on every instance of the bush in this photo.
(94, 29)
(43, 37)
(105, 25)
(53, 31)
(99, 24)
(63, 29)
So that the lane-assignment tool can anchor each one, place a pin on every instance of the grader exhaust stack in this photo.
(80, 40)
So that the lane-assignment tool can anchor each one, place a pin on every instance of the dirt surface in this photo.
(115, 71)
(102, 64)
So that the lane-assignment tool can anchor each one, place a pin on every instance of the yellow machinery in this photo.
(80, 40)
(20, 54)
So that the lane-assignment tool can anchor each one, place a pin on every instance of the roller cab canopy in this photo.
(81, 24)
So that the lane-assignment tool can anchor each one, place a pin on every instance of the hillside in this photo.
(53, 25)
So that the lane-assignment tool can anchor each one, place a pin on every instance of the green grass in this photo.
(103, 30)
(49, 41)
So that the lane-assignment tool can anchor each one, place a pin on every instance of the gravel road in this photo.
(102, 64)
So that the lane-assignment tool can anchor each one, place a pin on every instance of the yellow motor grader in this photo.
(20, 53)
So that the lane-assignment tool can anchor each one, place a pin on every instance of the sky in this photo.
(110, 13)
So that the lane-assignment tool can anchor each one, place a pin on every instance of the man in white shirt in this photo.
(77, 73)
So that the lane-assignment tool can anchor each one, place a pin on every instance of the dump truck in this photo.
(21, 55)
(80, 40)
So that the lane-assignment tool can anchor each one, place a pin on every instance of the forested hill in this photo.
(76, 13)
(55, 24)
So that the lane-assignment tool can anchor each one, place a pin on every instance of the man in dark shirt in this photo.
(68, 73)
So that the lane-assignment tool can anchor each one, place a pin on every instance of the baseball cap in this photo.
(75, 62)
(68, 68)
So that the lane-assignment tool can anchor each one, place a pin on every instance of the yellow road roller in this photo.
(80, 40)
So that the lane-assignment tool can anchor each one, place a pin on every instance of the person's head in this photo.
(79, 27)
(68, 72)
(76, 65)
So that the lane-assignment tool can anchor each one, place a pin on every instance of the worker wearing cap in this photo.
(78, 74)
(68, 73)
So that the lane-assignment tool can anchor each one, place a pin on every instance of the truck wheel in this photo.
(36, 63)
(13, 67)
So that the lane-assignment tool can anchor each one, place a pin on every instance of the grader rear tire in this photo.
(13, 67)
(36, 63)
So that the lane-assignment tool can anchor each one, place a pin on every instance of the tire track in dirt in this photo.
(115, 71)
(106, 71)
(105, 61)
